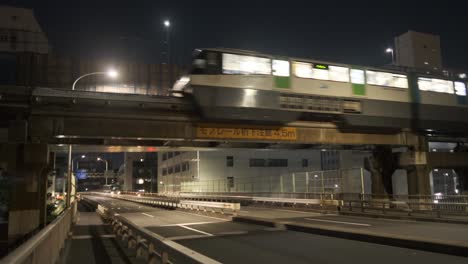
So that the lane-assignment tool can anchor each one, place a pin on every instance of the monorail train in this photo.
(249, 86)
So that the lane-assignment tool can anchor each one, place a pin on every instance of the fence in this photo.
(355, 180)
(45, 246)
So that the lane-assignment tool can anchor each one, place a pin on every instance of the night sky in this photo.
(329, 30)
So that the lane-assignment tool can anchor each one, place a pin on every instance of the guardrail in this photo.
(150, 246)
(234, 208)
(408, 208)
(174, 203)
(45, 246)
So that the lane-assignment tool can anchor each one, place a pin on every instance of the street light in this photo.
(105, 173)
(167, 25)
(390, 50)
(82, 157)
(111, 73)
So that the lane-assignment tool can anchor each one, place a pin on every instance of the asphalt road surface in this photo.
(233, 242)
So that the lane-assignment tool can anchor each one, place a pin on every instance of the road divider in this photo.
(365, 235)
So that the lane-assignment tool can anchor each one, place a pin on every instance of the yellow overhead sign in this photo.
(275, 133)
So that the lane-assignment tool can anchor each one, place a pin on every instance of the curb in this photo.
(402, 217)
(405, 242)
(257, 221)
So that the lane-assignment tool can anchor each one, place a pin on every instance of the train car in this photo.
(250, 86)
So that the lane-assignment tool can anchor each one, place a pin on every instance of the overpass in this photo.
(36, 122)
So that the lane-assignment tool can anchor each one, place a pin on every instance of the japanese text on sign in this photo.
(283, 133)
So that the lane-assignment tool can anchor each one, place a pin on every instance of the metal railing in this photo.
(46, 245)
(437, 204)
(333, 181)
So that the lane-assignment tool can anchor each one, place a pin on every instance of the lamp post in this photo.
(82, 157)
(390, 50)
(110, 73)
(105, 173)
(167, 25)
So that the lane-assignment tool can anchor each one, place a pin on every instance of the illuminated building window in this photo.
(435, 85)
(386, 79)
(242, 64)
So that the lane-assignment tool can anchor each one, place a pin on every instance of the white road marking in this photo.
(204, 216)
(232, 233)
(337, 222)
(195, 223)
(196, 230)
(148, 215)
(293, 211)
(243, 211)
(185, 237)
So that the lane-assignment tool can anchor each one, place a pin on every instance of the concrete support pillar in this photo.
(418, 180)
(416, 164)
(26, 168)
(462, 174)
(381, 165)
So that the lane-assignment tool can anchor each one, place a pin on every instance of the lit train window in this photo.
(387, 79)
(339, 74)
(357, 76)
(435, 85)
(241, 64)
(302, 70)
(460, 88)
(321, 72)
(281, 68)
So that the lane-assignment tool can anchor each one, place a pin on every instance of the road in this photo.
(434, 231)
(234, 242)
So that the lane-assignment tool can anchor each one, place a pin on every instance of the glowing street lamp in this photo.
(110, 73)
(390, 50)
(167, 25)
(82, 157)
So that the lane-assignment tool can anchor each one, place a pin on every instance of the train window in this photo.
(460, 88)
(281, 68)
(242, 64)
(206, 62)
(321, 72)
(339, 74)
(302, 70)
(435, 85)
(357, 76)
(387, 79)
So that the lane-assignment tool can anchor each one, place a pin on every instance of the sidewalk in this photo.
(92, 242)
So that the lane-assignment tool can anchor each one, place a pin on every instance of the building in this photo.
(140, 172)
(20, 31)
(419, 51)
(244, 170)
